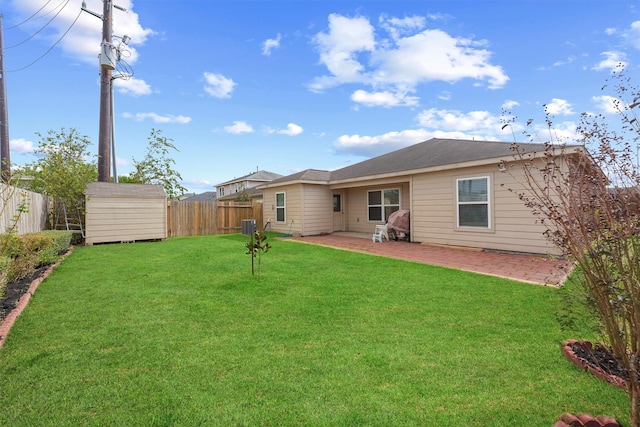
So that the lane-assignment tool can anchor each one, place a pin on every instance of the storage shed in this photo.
(124, 213)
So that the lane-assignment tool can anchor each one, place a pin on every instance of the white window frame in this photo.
(221, 191)
(382, 205)
(283, 207)
(483, 202)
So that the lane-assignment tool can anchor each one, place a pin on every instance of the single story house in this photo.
(459, 193)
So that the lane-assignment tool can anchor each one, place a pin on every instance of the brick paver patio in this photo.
(535, 269)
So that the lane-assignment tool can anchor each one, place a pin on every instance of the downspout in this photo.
(411, 207)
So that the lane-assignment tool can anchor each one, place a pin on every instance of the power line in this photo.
(52, 46)
(41, 29)
(29, 18)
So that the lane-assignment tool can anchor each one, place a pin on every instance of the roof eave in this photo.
(468, 164)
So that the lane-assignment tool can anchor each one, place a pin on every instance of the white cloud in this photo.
(270, 44)
(339, 47)
(607, 104)
(445, 95)
(559, 107)
(611, 61)
(477, 122)
(198, 184)
(370, 146)
(291, 130)
(398, 26)
(352, 53)
(218, 85)
(132, 86)
(383, 99)
(509, 103)
(633, 34)
(435, 55)
(561, 132)
(239, 127)
(157, 118)
(434, 123)
(21, 146)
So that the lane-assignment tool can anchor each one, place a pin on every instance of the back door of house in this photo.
(338, 211)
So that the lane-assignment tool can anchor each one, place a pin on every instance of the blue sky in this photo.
(289, 85)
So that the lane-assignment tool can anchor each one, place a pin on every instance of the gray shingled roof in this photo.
(255, 176)
(207, 196)
(432, 153)
(308, 175)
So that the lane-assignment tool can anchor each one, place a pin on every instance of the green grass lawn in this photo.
(179, 333)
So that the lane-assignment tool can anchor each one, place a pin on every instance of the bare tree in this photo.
(588, 197)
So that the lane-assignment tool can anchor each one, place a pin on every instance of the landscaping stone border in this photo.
(8, 321)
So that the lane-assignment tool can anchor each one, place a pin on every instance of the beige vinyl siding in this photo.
(318, 210)
(512, 226)
(357, 206)
(124, 213)
(293, 208)
(308, 209)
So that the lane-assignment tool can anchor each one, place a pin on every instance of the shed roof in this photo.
(110, 189)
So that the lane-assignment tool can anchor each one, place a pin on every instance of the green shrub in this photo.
(60, 240)
(32, 250)
(5, 263)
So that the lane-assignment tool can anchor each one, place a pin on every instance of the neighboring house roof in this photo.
(202, 197)
(433, 153)
(252, 192)
(255, 176)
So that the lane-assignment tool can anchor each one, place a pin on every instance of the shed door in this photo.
(338, 212)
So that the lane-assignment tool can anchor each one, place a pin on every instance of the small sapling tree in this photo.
(257, 246)
(157, 167)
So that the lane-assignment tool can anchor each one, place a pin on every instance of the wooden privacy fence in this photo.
(37, 209)
(185, 218)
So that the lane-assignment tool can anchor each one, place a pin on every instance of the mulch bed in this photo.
(18, 294)
(597, 359)
(15, 290)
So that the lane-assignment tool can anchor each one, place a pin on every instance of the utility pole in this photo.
(104, 135)
(109, 55)
(5, 157)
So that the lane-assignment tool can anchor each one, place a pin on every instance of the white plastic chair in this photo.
(381, 231)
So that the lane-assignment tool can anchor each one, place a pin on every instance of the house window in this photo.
(280, 208)
(473, 202)
(382, 203)
(337, 203)
(221, 191)
(237, 187)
